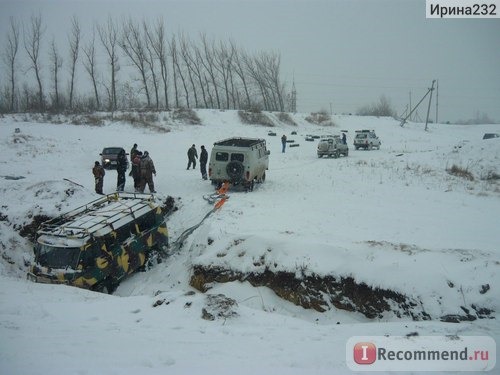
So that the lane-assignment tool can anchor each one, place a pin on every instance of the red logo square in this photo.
(365, 353)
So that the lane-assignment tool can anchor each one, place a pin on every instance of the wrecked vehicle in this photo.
(97, 245)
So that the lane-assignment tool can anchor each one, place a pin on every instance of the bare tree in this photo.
(253, 72)
(269, 64)
(9, 58)
(74, 48)
(89, 64)
(223, 58)
(157, 40)
(150, 60)
(186, 56)
(32, 40)
(109, 39)
(239, 69)
(209, 65)
(56, 64)
(173, 53)
(132, 44)
(178, 69)
(197, 68)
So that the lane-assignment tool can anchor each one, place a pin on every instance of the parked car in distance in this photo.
(240, 161)
(366, 139)
(332, 146)
(109, 156)
(97, 245)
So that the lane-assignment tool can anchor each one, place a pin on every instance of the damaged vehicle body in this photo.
(97, 245)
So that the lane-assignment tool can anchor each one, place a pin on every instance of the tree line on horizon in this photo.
(132, 65)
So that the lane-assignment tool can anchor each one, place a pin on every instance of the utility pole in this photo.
(293, 99)
(429, 106)
(414, 108)
(437, 99)
(410, 104)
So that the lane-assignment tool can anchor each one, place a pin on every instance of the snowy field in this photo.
(392, 218)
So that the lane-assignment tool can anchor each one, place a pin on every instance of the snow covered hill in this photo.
(419, 218)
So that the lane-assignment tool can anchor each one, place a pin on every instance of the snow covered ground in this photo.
(392, 218)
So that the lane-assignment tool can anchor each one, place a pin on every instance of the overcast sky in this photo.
(342, 54)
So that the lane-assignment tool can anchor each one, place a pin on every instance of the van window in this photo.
(238, 157)
(221, 156)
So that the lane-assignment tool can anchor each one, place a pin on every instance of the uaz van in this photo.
(240, 161)
(97, 245)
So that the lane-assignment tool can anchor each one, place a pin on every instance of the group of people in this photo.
(143, 169)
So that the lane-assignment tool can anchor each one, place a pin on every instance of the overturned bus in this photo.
(97, 245)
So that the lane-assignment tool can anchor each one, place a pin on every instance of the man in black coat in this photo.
(121, 168)
(192, 156)
(203, 162)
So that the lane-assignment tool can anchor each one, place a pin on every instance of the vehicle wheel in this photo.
(252, 184)
(346, 153)
(234, 170)
(336, 154)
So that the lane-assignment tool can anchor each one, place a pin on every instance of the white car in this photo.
(366, 139)
(332, 146)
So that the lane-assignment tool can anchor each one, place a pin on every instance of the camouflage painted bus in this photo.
(99, 244)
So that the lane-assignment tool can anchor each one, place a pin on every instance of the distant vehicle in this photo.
(109, 155)
(491, 135)
(332, 146)
(240, 161)
(97, 245)
(366, 139)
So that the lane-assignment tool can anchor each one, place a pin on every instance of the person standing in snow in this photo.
(283, 143)
(147, 171)
(98, 172)
(133, 152)
(192, 156)
(344, 138)
(121, 168)
(203, 162)
(135, 171)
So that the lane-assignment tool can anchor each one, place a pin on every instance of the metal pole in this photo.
(414, 108)
(429, 106)
(437, 100)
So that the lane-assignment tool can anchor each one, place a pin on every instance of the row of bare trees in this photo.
(129, 65)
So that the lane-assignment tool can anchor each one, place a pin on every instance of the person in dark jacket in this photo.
(147, 171)
(283, 143)
(133, 152)
(192, 156)
(203, 162)
(121, 168)
(136, 170)
(98, 172)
